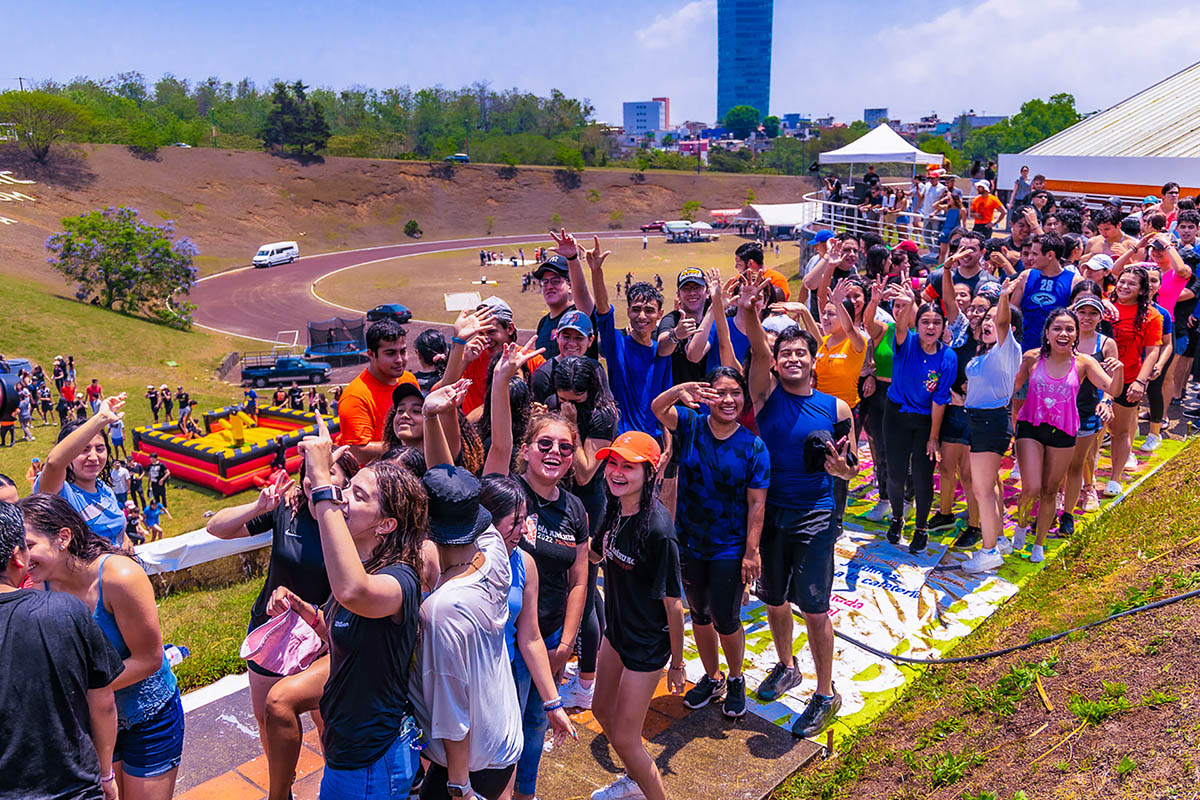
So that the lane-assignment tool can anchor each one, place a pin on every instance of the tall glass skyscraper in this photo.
(744, 54)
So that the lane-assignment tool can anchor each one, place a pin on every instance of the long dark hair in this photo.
(402, 498)
(106, 472)
(1059, 312)
(47, 514)
(501, 495)
(1143, 297)
(580, 374)
(640, 520)
(877, 258)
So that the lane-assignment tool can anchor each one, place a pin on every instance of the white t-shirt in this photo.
(932, 195)
(120, 480)
(463, 683)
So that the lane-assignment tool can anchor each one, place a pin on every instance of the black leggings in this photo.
(592, 627)
(906, 436)
(487, 783)
(873, 408)
(1154, 394)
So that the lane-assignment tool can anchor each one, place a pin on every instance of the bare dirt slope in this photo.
(231, 201)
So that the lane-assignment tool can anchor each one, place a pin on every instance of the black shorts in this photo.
(1045, 434)
(797, 557)
(714, 591)
(1193, 344)
(990, 429)
(1123, 398)
(954, 426)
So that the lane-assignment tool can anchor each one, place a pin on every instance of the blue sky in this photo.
(915, 57)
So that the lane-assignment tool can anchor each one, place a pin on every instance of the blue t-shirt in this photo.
(1168, 323)
(714, 474)
(516, 598)
(100, 509)
(990, 376)
(920, 379)
(636, 373)
(784, 422)
(151, 513)
(1041, 296)
(739, 340)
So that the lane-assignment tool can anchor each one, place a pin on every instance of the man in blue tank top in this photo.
(1043, 288)
(801, 521)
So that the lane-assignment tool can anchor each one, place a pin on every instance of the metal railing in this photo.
(892, 226)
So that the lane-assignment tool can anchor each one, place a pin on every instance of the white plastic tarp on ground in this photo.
(881, 145)
(189, 549)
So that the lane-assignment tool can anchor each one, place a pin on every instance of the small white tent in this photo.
(878, 146)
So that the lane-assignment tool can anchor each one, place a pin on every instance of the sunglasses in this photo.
(546, 444)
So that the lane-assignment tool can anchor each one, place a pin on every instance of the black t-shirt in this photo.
(555, 530)
(296, 398)
(366, 696)
(541, 383)
(297, 560)
(546, 327)
(52, 653)
(592, 493)
(636, 581)
(965, 352)
(426, 380)
(682, 370)
(871, 179)
(136, 471)
(158, 473)
(1184, 308)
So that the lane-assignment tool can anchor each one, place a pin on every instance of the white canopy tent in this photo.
(880, 145)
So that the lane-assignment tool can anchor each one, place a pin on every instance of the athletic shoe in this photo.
(1066, 526)
(1192, 413)
(779, 681)
(1153, 442)
(1091, 501)
(1131, 462)
(894, 531)
(735, 698)
(970, 537)
(1018, 540)
(1036, 554)
(1016, 471)
(621, 789)
(1003, 545)
(983, 561)
(939, 521)
(880, 512)
(571, 670)
(1112, 489)
(575, 696)
(704, 692)
(817, 715)
(919, 542)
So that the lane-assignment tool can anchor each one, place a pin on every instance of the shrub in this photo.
(411, 228)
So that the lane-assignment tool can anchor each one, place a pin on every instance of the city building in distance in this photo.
(645, 116)
(744, 54)
(874, 116)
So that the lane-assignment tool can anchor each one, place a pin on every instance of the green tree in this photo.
(788, 155)
(750, 196)
(42, 119)
(412, 228)
(120, 259)
(740, 120)
(667, 140)
(689, 210)
(1037, 120)
(721, 160)
(295, 120)
(936, 144)
(569, 157)
(771, 126)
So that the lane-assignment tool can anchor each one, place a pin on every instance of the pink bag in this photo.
(285, 644)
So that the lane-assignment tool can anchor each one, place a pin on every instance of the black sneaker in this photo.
(895, 530)
(939, 521)
(1066, 525)
(970, 537)
(779, 681)
(817, 715)
(919, 541)
(735, 698)
(704, 692)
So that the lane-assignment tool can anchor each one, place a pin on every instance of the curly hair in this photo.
(403, 499)
(1061, 312)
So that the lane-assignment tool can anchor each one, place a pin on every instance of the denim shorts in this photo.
(990, 429)
(954, 426)
(153, 747)
(390, 776)
(1088, 426)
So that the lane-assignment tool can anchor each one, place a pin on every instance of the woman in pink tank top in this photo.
(1049, 420)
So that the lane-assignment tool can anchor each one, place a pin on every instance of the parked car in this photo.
(657, 225)
(390, 311)
(182, 144)
(269, 367)
(270, 255)
(461, 158)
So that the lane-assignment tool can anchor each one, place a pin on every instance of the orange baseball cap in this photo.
(633, 446)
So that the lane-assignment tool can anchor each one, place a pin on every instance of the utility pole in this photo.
(21, 82)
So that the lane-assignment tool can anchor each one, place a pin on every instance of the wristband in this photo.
(458, 340)
(573, 258)
(553, 705)
(675, 669)
(112, 776)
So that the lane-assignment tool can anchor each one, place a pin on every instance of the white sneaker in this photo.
(1016, 472)
(1091, 501)
(1153, 442)
(571, 670)
(1131, 462)
(983, 561)
(1003, 545)
(1112, 489)
(882, 511)
(1018, 540)
(575, 696)
(621, 789)
(1036, 554)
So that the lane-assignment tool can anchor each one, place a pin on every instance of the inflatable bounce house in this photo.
(236, 451)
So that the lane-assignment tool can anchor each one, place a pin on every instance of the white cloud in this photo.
(671, 30)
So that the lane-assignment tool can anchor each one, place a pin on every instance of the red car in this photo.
(657, 225)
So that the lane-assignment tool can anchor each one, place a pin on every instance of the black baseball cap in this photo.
(406, 389)
(555, 264)
(691, 275)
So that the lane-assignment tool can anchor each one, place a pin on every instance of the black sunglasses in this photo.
(546, 444)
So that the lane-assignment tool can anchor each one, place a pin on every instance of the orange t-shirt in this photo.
(984, 208)
(1132, 340)
(477, 371)
(837, 370)
(364, 407)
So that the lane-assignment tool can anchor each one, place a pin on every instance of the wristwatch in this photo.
(331, 493)
(454, 790)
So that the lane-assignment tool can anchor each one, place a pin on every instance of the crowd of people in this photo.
(447, 548)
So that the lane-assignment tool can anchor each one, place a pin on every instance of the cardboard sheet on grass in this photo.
(918, 606)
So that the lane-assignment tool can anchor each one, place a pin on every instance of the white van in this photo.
(278, 253)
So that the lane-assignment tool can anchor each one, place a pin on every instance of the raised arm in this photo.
(440, 405)
(566, 246)
(690, 394)
(595, 261)
(904, 309)
(54, 475)
(1123, 260)
(1003, 313)
(468, 326)
(820, 275)
(230, 523)
(875, 329)
(854, 333)
(721, 322)
(761, 379)
(512, 358)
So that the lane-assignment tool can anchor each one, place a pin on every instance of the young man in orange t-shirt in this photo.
(364, 405)
(984, 208)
